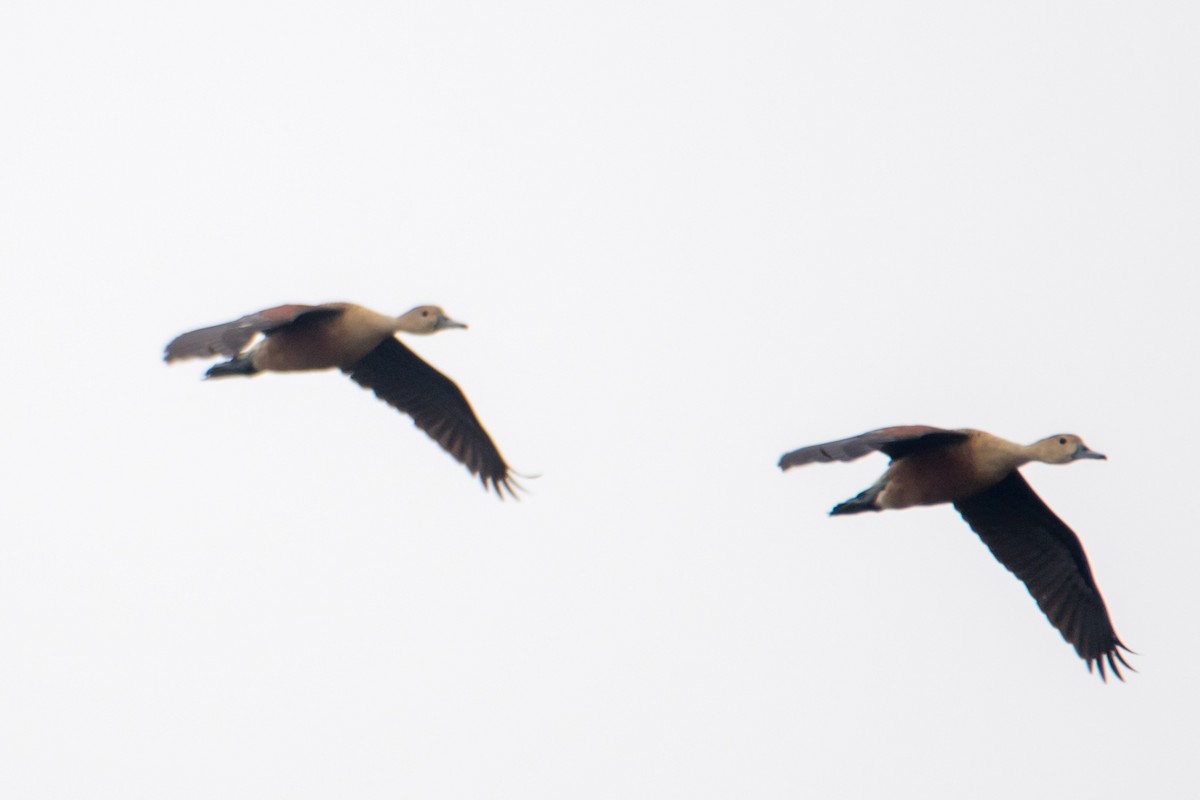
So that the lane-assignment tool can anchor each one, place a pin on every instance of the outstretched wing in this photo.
(230, 338)
(896, 442)
(1038, 547)
(400, 378)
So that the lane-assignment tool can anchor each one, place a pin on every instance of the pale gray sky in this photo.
(687, 237)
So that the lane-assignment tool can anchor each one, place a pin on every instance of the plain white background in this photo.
(687, 237)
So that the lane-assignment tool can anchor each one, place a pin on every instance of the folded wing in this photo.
(230, 338)
(896, 442)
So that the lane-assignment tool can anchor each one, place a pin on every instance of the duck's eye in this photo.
(424, 313)
(1062, 440)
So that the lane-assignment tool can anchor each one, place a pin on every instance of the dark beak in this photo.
(445, 322)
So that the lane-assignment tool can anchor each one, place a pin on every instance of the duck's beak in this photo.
(1086, 452)
(445, 322)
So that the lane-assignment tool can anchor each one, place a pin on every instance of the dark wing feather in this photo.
(1035, 545)
(897, 442)
(400, 378)
(230, 338)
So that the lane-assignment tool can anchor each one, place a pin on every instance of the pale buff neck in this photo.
(996, 457)
(362, 319)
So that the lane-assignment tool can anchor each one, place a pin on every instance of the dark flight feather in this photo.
(399, 377)
(1035, 545)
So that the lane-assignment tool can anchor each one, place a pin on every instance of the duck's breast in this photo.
(944, 475)
(323, 343)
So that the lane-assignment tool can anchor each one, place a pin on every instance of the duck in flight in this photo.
(978, 473)
(361, 343)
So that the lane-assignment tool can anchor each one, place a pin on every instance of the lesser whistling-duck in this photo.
(978, 473)
(361, 343)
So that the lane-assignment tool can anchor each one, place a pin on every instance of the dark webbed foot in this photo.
(242, 365)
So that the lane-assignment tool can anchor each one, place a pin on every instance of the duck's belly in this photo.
(322, 346)
(926, 479)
